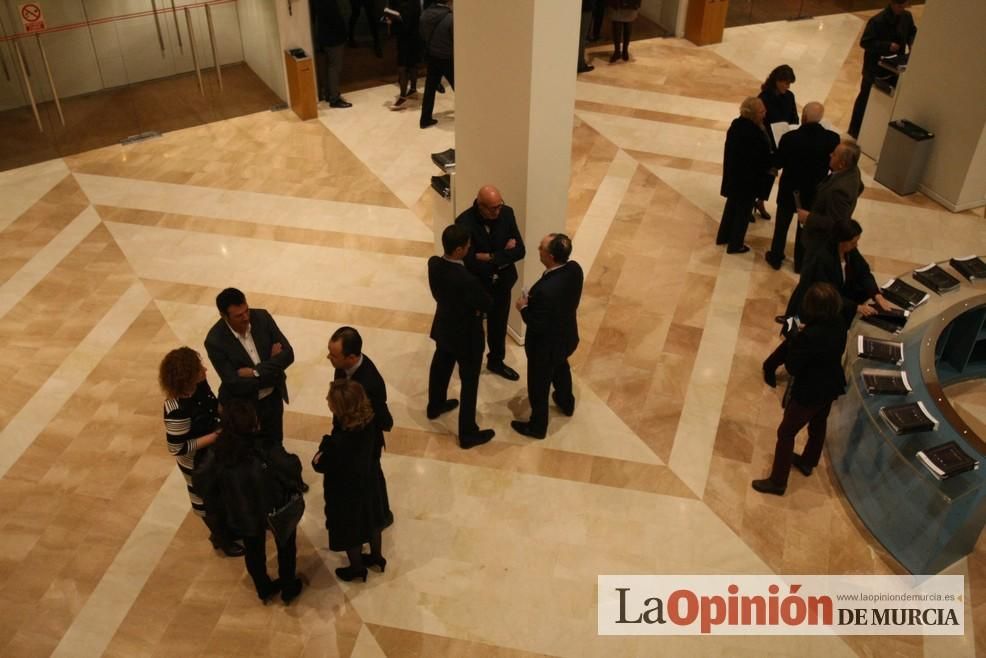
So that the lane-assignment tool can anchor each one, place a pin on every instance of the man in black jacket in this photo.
(496, 244)
(458, 334)
(552, 333)
(330, 39)
(250, 355)
(803, 156)
(436, 32)
(887, 33)
(346, 356)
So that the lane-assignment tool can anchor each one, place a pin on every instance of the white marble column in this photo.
(514, 101)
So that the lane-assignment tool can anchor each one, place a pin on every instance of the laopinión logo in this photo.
(781, 605)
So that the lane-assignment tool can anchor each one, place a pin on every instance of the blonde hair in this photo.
(348, 402)
(749, 109)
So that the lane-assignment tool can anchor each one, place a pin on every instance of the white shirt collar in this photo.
(349, 371)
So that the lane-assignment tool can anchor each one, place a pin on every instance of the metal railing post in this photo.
(27, 84)
(215, 47)
(191, 43)
(51, 79)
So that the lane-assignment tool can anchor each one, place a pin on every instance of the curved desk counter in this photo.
(925, 523)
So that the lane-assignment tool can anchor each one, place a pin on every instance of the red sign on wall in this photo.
(32, 17)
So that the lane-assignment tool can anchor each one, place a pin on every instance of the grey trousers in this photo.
(329, 70)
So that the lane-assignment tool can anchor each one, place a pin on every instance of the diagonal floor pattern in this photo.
(114, 256)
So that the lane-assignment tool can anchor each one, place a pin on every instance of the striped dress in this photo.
(185, 420)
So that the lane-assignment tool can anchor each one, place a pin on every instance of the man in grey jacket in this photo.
(436, 32)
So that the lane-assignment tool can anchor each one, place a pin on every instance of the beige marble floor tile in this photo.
(22, 188)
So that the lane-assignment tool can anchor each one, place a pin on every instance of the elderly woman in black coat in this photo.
(355, 514)
(814, 359)
(745, 167)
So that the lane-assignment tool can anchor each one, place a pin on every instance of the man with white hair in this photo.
(803, 157)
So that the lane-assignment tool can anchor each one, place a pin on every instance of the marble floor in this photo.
(113, 256)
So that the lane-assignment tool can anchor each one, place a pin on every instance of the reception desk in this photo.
(925, 523)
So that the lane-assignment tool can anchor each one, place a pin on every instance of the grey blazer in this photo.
(835, 201)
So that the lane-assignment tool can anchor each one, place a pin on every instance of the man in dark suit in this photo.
(330, 39)
(803, 155)
(549, 311)
(835, 199)
(458, 334)
(496, 244)
(888, 33)
(346, 356)
(250, 355)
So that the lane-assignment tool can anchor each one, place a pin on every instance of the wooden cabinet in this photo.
(301, 86)
(705, 21)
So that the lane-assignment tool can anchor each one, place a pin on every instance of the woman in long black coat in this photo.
(778, 99)
(354, 512)
(745, 166)
(814, 359)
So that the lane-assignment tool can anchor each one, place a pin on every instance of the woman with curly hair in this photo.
(354, 513)
(191, 423)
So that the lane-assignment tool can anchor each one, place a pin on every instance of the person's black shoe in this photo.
(626, 55)
(742, 250)
(614, 57)
(773, 260)
(304, 487)
(230, 549)
(503, 370)
(780, 319)
(427, 123)
(267, 593)
(769, 377)
(586, 68)
(798, 461)
(524, 428)
(768, 487)
(351, 573)
(566, 409)
(467, 441)
(440, 88)
(340, 103)
(444, 409)
(371, 561)
(291, 591)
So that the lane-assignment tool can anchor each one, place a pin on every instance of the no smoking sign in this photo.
(31, 16)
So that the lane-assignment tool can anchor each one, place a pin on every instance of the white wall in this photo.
(117, 53)
(262, 43)
(295, 31)
(945, 92)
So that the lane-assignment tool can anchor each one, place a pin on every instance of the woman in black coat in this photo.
(814, 359)
(778, 99)
(745, 165)
(408, 47)
(354, 512)
(244, 484)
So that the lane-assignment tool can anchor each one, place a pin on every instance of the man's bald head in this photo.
(813, 113)
(489, 201)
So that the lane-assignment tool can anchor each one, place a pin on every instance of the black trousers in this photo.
(438, 68)
(598, 13)
(782, 223)
(442, 364)
(859, 107)
(796, 416)
(270, 413)
(496, 324)
(543, 372)
(255, 556)
(735, 220)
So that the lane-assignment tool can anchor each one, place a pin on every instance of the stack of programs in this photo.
(909, 418)
(888, 351)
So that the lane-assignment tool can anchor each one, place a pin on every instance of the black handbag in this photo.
(284, 519)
